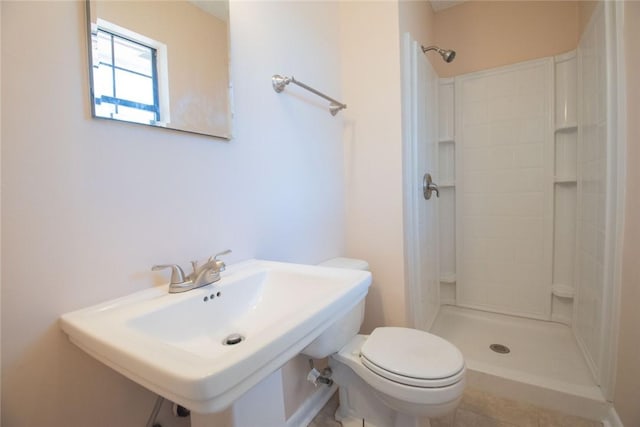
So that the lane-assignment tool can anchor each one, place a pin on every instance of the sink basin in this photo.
(206, 347)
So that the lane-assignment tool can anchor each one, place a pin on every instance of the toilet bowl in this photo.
(413, 373)
(395, 377)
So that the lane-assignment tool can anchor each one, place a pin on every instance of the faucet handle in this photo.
(227, 252)
(221, 265)
(177, 275)
(194, 267)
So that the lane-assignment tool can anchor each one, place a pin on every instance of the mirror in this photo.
(161, 63)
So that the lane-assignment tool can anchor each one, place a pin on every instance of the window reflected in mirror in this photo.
(125, 79)
(161, 64)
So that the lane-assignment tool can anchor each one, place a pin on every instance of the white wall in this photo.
(88, 206)
(300, 138)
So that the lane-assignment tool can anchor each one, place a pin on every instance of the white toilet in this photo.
(395, 377)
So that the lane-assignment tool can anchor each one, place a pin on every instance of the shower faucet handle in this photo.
(428, 186)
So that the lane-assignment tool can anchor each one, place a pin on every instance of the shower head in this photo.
(447, 55)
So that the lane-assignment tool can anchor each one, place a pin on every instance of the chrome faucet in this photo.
(204, 275)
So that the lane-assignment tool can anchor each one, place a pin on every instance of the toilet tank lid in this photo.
(351, 263)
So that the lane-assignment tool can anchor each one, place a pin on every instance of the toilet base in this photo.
(358, 401)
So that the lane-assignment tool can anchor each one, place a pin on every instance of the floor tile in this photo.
(325, 417)
(556, 419)
(464, 418)
(504, 410)
(446, 421)
(481, 409)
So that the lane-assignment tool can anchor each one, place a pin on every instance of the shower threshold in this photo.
(543, 366)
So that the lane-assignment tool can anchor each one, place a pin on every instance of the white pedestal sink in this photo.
(176, 344)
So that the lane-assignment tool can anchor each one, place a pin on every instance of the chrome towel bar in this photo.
(279, 82)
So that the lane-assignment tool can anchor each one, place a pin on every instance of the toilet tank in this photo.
(343, 329)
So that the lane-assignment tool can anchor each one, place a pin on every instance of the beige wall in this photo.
(585, 10)
(627, 390)
(373, 163)
(417, 17)
(373, 145)
(488, 34)
(199, 95)
(370, 54)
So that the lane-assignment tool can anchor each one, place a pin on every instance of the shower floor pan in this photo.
(544, 366)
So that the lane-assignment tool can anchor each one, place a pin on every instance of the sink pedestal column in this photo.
(262, 406)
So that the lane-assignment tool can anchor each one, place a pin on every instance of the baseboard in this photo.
(612, 419)
(310, 408)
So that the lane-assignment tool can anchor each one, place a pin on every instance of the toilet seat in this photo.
(412, 357)
(388, 389)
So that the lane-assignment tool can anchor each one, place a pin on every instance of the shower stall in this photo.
(517, 261)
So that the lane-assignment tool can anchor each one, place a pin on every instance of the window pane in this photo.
(134, 87)
(102, 81)
(124, 87)
(104, 109)
(135, 115)
(104, 48)
(132, 56)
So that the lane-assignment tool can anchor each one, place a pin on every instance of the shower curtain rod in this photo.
(279, 82)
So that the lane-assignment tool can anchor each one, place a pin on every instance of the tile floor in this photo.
(481, 409)
(325, 416)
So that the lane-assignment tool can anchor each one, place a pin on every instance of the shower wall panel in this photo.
(420, 109)
(446, 181)
(592, 187)
(504, 189)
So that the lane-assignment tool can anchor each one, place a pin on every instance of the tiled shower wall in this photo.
(592, 182)
(504, 189)
(532, 184)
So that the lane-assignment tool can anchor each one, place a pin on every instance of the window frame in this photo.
(160, 69)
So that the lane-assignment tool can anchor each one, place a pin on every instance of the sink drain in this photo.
(233, 339)
(499, 348)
